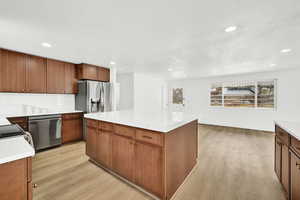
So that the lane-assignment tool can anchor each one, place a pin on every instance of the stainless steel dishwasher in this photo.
(45, 131)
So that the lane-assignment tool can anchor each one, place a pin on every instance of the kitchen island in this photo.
(153, 151)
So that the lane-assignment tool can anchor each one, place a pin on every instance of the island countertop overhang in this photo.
(160, 121)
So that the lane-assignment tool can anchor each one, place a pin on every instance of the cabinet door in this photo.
(35, 74)
(278, 146)
(86, 71)
(104, 148)
(122, 156)
(13, 70)
(103, 74)
(13, 181)
(70, 79)
(148, 163)
(285, 167)
(71, 130)
(55, 77)
(91, 142)
(295, 177)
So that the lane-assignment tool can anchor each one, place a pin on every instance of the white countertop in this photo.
(14, 148)
(162, 121)
(293, 128)
(4, 121)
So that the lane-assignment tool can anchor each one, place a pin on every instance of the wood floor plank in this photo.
(233, 164)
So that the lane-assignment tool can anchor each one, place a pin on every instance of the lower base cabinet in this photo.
(123, 156)
(287, 163)
(149, 170)
(72, 127)
(285, 169)
(91, 141)
(15, 180)
(103, 152)
(295, 177)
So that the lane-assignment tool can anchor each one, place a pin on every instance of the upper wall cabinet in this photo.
(92, 72)
(36, 74)
(70, 79)
(86, 71)
(103, 74)
(55, 76)
(12, 71)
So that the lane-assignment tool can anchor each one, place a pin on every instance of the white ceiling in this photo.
(153, 36)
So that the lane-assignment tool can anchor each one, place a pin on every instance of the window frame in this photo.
(274, 108)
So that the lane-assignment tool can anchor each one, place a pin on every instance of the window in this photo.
(251, 94)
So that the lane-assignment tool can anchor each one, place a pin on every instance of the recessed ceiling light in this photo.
(286, 50)
(230, 29)
(170, 69)
(272, 65)
(46, 44)
(112, 63)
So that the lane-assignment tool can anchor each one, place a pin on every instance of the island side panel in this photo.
(181, 151)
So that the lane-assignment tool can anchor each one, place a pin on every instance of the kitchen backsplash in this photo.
(54, 101)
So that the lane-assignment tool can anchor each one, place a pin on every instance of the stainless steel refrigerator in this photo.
(94, 96)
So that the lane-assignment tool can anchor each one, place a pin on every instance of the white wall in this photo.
(142, 92)
(148, 92)
(55, 101)
(196, 94)
(125, 99)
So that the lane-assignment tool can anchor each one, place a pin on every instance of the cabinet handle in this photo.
(35, 185)
(146, 136)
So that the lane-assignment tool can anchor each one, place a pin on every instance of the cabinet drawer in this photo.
(92, 123)
(72, 116)
(295, 144)
(149, 136)
(282, 135)
(106, 126)
(124, 131)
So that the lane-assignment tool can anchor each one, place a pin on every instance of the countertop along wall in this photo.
(197, 101)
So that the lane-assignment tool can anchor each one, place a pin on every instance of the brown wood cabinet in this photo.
(148, 165)
(55, 76)
(70, 79)
(282, 163)
(72, 127)
(92, 72)
(139, 155)
(36, 75)
(287, 162)
(91, 141)
(32, 74)
(277, 160)
(103, 74)
(295, 176)
(86, 71)
(123, 156)
(15, 181)
(21, 121)
(104, 145)
(12, 74)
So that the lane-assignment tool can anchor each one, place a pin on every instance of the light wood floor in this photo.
(234, 164)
